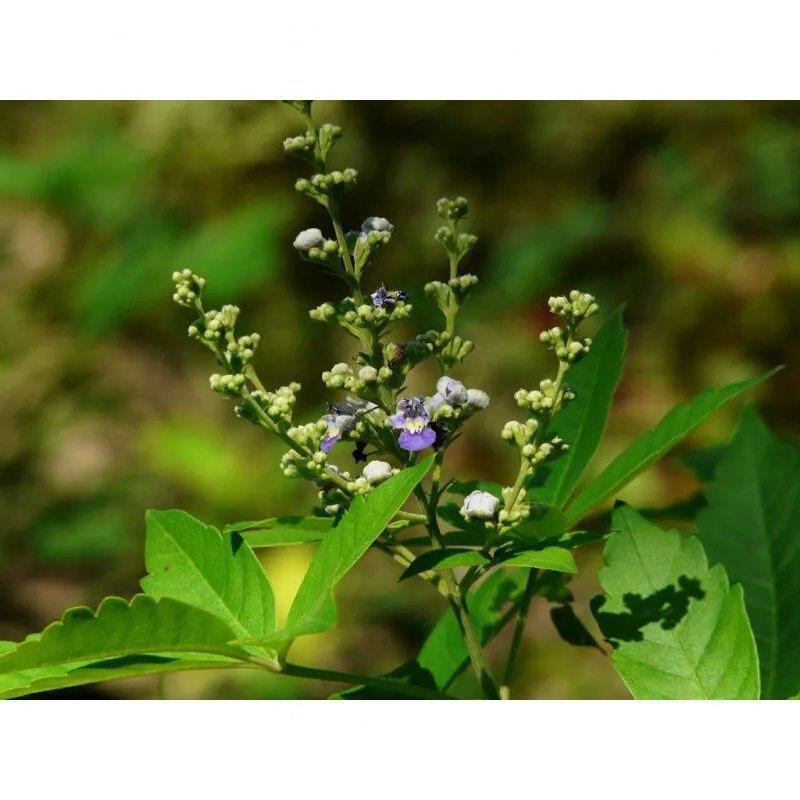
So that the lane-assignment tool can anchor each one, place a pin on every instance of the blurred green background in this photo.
(687, 212)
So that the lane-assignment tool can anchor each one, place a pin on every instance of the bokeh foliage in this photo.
(687, 212)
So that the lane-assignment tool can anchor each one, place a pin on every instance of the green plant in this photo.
(677, 628)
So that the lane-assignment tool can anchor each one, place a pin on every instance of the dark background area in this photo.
(689, 213)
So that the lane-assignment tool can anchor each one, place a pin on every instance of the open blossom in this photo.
(338, 426)
(341, 420)
(413, 420)
(385, 297)
(452, 391)
(480, 505)
(305, 240)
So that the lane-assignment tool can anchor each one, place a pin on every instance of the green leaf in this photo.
(120, 640)
(278, 531)
(703, 461)
(444, 655)
(555, 558)
(582, 422)
(570, 628)
(192, 562)
(653, 444)
(458, 538)
(313, 609)
(444, 559)
(680, 631)
(752, 526)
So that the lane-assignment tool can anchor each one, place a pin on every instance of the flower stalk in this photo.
(388, 427)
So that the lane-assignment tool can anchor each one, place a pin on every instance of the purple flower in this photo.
(338, 426)
(380, 296)
(383, 297)
(413, 419)
(341, 420)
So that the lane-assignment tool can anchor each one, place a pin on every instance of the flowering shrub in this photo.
(674, 625)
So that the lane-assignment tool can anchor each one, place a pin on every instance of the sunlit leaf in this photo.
(680, 631)
(313, 609)
(192, 562)
(120, 640)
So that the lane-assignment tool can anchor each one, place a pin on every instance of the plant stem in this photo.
(384, 684)
(456, 597)
(405, 557)
(519, 630)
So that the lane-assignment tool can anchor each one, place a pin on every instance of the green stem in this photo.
(456, 598)
(404, 557)
(384, 684)
(519, 630)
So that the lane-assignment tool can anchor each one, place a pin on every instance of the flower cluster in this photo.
(384, 424)
(530, 437)
(384, 418)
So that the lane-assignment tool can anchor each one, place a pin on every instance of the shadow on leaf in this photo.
(667, 606)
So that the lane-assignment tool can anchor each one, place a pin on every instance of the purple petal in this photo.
(329, 441)
(398, 420)
(417, 441)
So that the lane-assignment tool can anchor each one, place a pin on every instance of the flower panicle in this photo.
(531, 437)
(379, 418)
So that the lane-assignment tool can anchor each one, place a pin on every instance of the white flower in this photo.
(454, 392)
(377, 471)
(305, 240)
(477, 399)
(376, 224)
(480, 505)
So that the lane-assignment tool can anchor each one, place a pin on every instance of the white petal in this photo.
(377, 471)
(477, 398)
(305, 240)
